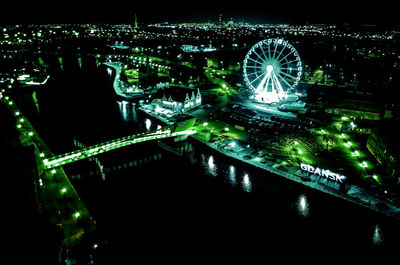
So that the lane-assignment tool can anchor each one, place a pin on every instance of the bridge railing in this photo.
(169, 131)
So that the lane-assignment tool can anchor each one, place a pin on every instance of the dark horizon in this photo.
(206, 11)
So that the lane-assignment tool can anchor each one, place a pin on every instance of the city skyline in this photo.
(205, 11)
(202, 128)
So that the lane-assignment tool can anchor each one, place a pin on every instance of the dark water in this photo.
(153, 201)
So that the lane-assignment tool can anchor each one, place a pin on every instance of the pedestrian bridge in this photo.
(181, 128)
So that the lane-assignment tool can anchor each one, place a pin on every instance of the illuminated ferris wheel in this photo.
(272, 68)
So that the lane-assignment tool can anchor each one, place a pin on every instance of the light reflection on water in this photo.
(303, 207)
(109, 71)
(232, 175)
(377, 237)
(124, 110)
(212, 168)
(148, 124)
(246, 183)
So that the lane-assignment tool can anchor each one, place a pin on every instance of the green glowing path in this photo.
(186, 128)
(57, 197)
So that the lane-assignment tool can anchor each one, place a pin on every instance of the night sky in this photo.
(256, 11)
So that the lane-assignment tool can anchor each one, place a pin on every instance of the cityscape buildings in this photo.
(134, 137)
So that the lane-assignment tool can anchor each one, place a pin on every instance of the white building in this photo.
(180, 105)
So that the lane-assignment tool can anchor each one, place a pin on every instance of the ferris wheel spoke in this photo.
(276, 46)
(286, 56)
(256, 72)
(251, 59)
(288, 75)
(253, 66)
(279, 55)
(263, 52)
(284, 81)
(251, 83)
(288, 62)
(269, 52)
(259, 56)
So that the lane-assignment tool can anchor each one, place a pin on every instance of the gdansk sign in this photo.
(323, 173)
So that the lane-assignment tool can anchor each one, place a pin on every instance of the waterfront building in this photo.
(384, 145)
(180, 105)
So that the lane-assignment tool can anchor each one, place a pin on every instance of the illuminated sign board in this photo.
(323, 173)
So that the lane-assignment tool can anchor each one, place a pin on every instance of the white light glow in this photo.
(148, 124)
(302, 206)
(232, 175)
(246, 183)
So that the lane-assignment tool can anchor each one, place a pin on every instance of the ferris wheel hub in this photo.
(270, 68)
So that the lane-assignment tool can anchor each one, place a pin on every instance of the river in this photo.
(152, 200)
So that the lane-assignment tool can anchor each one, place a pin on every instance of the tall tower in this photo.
(136, 24)
(220, 19)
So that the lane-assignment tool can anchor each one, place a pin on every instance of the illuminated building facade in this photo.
(184, 105)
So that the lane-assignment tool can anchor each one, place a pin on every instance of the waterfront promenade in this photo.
(57, 197)
(352, 193)
(120, 88)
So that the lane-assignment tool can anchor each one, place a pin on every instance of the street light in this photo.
(300, 151)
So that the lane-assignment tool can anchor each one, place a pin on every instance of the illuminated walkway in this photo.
(57, 197)
(184, 128)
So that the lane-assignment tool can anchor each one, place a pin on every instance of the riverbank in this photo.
(352, 193)
(56, 195)
(119, 87)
